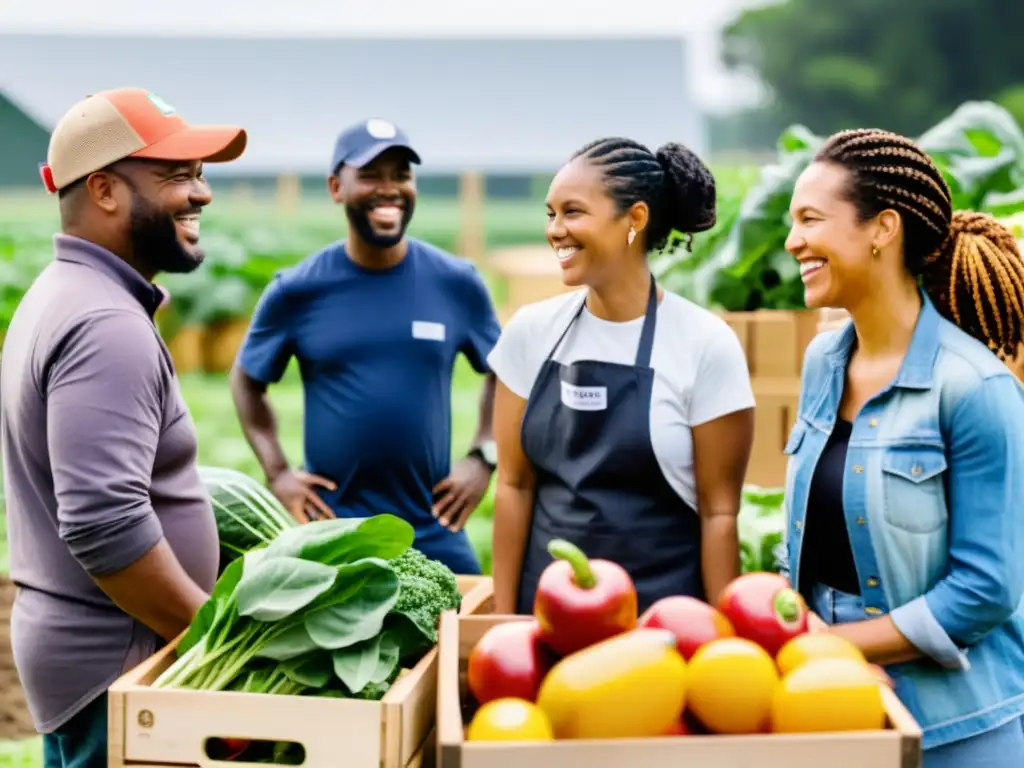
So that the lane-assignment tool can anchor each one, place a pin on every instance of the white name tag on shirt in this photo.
(584, 398)
(422, 329)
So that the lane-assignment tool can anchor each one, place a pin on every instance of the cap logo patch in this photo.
(165, 108)
(380, 129)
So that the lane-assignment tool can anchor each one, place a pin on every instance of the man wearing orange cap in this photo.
(113, 541)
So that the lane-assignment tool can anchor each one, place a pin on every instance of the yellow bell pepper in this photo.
(632, 685)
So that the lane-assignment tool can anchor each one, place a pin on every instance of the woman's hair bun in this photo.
(690, 196)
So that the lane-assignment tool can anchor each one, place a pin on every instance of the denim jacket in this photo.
(934, 502)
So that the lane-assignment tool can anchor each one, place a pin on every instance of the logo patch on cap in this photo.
(380, 129)
(165, 108)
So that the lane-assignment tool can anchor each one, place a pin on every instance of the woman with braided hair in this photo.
(623, 413)
(906, 468)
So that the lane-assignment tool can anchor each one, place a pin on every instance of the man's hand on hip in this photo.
(460, 493)
(296, 489)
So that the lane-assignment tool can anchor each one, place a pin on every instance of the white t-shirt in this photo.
(700, 372)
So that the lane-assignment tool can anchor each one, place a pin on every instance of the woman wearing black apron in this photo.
(624, 413)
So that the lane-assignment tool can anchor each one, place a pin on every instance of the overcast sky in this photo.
(699, 20)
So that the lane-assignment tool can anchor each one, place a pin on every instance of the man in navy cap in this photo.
(376, 322)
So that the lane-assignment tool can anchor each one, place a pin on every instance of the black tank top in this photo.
(826, 556)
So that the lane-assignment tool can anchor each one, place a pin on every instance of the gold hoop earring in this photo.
(631, 236)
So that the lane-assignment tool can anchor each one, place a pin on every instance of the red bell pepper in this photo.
(580, 602)
(763, 607)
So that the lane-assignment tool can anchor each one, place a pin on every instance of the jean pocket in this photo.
(913, 479)
(847, 607)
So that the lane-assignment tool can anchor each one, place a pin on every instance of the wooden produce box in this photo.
(778, 400)
(774, 416)
(151, 728)
(897, 747)
(774, 340)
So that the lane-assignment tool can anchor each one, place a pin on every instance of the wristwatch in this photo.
(487, 452)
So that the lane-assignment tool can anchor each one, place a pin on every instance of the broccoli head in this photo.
(427, 588)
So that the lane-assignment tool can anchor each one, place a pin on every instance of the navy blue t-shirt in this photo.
(376, 349)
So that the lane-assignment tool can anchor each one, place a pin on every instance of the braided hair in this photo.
(968, 263)
(677, 187)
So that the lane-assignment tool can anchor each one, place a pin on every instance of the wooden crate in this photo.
(150, 728)
(899, 746)
(774, 416)
(186, 348)
(774, 340)
(221, 342)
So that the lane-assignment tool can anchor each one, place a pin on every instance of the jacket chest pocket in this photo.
(913, 479)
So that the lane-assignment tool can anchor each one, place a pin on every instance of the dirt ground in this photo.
(15, 722)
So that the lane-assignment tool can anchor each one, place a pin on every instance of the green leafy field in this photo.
(245, 245)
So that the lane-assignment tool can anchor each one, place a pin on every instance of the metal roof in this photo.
(497, 104)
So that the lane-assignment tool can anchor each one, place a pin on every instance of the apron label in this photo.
(422, 329)
(584, 398)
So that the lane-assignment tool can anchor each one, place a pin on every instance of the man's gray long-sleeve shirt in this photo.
(99, 456)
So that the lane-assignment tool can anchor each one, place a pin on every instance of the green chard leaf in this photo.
(370, 661)
(355, 610)
(351, 611)
(345, 540)
(215, 610)
(282, 586)
(312, 670)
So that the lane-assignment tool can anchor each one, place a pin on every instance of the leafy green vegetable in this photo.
(762, 521)
(332, 607)
(979, 149)
(248, 515)
(428, 589)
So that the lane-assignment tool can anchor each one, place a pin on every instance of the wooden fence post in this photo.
(472, 241)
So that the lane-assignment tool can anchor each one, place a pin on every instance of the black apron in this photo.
(598, 483)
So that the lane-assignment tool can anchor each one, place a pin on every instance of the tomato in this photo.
(509, 719)
(510, 660)
(228, 749)
(729, 686)
(819, 645)
(692, 621)
(762, 607)
(828, 694)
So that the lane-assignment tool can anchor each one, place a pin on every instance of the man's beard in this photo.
(154, 239)
(359, 219)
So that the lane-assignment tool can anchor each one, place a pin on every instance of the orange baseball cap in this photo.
(130, 122)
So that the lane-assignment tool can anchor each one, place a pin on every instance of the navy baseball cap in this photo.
(359, 144)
